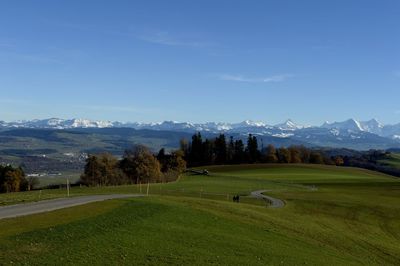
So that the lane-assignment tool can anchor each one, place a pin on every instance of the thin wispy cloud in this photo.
(268, 79)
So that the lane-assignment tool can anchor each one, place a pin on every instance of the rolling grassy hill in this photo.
(335, 216)
(393, 160)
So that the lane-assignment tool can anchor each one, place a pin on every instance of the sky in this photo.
(197, 61)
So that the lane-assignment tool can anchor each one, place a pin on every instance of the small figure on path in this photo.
(236, 198)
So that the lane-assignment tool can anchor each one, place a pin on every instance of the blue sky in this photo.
(200, 60)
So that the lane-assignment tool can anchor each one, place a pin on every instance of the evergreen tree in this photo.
(316, 158)
(208, 156)
(252, 149)
(239, 154)
(220, 149)
(196, 153)
(230, 150)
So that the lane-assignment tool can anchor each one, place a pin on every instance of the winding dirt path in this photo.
(274, 202)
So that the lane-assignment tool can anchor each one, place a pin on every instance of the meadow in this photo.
(334, 216)
(393, 160)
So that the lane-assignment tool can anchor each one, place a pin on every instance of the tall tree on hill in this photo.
(283, 155)
(230, 150)
(304, 154)
(239, 155)
(162, 158)
(252, 149)
(316, 158)
(338, 160)
(173, 162)
(270, 154)
(177, 162)
(208, 156)
(103, 170)
(140, 165)
(12, 179)
(92, 171)
(220, 149)
(184, 147)
(196, 153)
(295, 156)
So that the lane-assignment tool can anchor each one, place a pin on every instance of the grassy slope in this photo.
(352, 218)
(393, 161)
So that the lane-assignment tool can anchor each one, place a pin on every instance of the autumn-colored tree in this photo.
(283, 155)
(304, 154)
(140, 165)
(172, 162)
(295, 155)
(12, 179)
(103, 170)
(338, 160)
(92, 171)
(270, 154)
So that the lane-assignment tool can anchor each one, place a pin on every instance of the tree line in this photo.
(372, 160)
(138, 165)
(14, 180)
(219, 150)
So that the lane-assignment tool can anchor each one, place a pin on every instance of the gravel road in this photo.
(55, 204)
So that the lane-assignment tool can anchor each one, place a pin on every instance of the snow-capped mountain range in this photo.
(351, 133)
(288, 128)
(57, 123)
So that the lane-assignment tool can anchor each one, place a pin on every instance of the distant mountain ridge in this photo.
(353, 134)
(350, 129)
(372, 126)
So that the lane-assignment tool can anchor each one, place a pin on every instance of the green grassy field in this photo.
(333, 216)
(72, 176)
(393, 160)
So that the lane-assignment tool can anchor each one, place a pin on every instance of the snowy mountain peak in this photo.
(250, 123)
(286, 129)
(348, 125)
(372, 126)
(373, 123)
(289, 125)
(86, 123)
